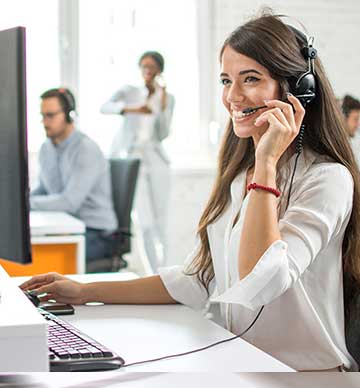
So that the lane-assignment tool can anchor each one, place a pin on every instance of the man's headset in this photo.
(68, 103)
(304, 87)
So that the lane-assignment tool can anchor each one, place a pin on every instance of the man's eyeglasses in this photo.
(50, 115)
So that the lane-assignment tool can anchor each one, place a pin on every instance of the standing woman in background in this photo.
(147, 112)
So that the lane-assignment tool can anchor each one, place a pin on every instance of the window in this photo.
(43, 68)
(112, 36)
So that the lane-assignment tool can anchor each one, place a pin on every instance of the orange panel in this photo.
(45, 258)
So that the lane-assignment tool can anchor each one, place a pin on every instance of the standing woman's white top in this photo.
(147, 112)
(139, 130)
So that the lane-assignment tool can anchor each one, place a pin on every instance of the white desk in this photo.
(54, 223)
(59, 228)
(217, 379)
(22, 331)
(58, 244)
(141, 332)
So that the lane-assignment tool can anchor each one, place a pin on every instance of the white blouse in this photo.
(139, 130)
(298, 279)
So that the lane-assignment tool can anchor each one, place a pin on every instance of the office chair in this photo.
(352, 319)
(124, 174)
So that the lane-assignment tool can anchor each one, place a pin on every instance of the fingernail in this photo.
(266, 101)
(288, 94)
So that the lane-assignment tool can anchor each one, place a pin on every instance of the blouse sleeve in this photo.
(186, 289)
(315, 216)
(163, 120)
(115, 104)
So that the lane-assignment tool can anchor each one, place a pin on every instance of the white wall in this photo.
(189, 193)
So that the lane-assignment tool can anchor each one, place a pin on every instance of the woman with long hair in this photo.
(281, 226)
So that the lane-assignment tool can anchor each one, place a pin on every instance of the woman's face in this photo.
(245, 84)
(149, 69)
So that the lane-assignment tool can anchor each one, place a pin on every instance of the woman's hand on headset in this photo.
(284, 121)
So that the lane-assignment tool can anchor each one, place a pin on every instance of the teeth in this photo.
(249, 113)
(239, 114)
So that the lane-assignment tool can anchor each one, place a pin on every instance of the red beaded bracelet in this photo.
(265, 188)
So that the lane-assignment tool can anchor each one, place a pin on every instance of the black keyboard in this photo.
(72, 351)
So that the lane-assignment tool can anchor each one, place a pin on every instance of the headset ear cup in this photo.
(69, 101)
(71, 116)
(305, 88)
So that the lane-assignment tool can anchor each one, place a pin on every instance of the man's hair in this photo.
(349, 103)
(66, 100)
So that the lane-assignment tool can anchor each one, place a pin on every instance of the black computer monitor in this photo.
(14, 188)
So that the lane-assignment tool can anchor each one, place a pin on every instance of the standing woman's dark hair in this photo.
(157, 57)
(275, 46)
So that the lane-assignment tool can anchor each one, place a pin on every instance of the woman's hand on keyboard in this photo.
(57, 287)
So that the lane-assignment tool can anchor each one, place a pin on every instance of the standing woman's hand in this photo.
(163, 98)
(144, 109)
(284, 126)
(161, 83)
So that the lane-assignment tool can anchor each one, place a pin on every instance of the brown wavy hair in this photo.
(274, 45)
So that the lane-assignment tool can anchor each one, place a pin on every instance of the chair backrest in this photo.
(352, 317)
(124, 174)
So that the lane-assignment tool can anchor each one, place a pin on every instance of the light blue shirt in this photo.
(75, 178)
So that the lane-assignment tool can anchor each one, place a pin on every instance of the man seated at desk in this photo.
(74, 174)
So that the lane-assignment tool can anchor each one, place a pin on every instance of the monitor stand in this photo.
(23, 331)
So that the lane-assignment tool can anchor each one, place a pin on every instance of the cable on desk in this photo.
(199, 349)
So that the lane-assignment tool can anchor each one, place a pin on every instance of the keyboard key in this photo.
(74, 354)
(63, 355)
(95, 352)
(107, 353)
(84, 353)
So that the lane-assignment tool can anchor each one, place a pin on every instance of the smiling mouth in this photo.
(242, 115)
(247, 112)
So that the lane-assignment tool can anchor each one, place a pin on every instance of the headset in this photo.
(69, 104)
(304, 87)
